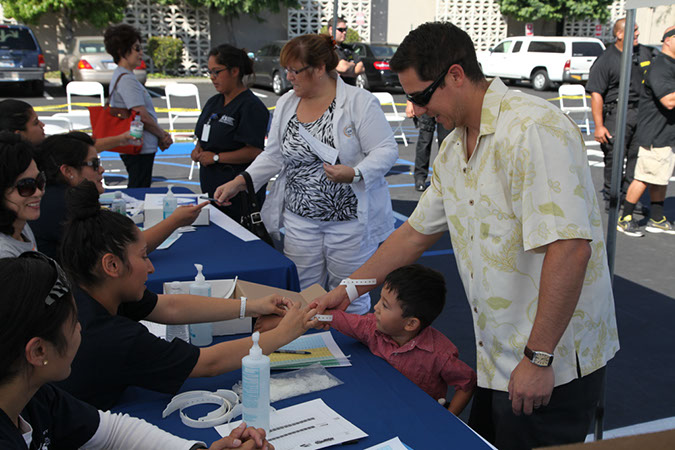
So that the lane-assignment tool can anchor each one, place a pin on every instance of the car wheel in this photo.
(278, 83)
(64, 80)
(38, 88)
(362, 81)
(540, 81)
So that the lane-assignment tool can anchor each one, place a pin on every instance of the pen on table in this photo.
(294, 352)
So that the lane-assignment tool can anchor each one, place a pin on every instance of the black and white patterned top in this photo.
(308, 192)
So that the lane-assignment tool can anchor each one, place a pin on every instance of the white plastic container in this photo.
(176, 331)
(255, 380)
(170, 203)
(119, 205)
(201, 333)
(136, 129)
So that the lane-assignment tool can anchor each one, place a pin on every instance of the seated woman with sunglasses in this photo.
(67, 160)
(39, 337)
(105, 254)
(336, 213)
(22, 189)
(19, 117)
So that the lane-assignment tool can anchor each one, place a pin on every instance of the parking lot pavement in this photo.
(638, 388)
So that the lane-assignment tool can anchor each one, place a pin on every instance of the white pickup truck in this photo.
(543, 60)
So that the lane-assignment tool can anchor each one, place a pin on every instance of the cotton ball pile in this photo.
(298, 383)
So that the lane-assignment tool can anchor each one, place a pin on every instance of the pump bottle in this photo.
(200, 333)
(255, 379)
(170, 203)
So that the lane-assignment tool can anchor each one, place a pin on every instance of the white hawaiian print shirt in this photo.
(526, 185)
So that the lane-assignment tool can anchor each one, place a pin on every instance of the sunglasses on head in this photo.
(27, 186)
(423, 97)
(61, 285)
(94, 163)
(341, 29)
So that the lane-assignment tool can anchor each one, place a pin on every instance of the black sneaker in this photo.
(628, 226)
(662, 226)
(420, 185)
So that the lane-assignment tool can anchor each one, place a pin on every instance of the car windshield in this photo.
(383, 51)
(16, 39)
(92, 47)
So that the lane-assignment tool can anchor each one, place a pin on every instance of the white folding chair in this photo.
(385, 98)
(56, 125)
(573, 101)
(80, 117)
(181, 90)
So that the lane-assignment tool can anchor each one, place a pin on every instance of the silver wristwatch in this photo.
(216, 157)
(541, 359)
(357, 175)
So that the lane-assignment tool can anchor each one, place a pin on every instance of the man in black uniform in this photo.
(656, 136)
(350, 65)
(603, 84)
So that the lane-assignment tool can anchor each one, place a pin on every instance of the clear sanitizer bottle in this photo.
(136, 129)
(255, 380)
(119, 205)
(170, 203)
(179, 331)
(200, 333)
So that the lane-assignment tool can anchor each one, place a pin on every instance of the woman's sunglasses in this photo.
(94, 163)
(27, 186)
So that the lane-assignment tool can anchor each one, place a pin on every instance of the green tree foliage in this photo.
(233, 8)
(97, 12)
(555, 10)
(166, 52)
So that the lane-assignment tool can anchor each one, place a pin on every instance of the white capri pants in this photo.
(327, 252)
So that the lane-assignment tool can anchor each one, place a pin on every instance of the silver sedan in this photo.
(87, 60)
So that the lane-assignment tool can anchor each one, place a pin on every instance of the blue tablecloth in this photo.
(375, 397)
(222, 255)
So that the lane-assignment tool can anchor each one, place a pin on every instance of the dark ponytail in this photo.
(90, 233)
(231, 57)
(26, 313)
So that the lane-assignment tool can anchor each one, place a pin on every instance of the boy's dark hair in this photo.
(432, 47)
(119, 39)
(420, 292)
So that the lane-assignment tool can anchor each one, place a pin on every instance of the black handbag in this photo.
(250, 212)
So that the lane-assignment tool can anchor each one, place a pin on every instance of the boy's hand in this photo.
(271, 304)
(297, 320)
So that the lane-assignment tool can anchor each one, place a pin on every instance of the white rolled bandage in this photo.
(352, 293)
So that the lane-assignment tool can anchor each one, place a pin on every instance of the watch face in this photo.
(541, 359)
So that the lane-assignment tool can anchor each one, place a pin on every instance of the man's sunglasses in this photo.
(27, 186)
(341, 30)
(423, 97)
(94, 163)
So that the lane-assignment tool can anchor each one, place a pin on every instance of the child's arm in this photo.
(460, 400)
(352, 325)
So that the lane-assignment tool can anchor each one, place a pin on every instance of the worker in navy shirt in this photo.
(106, 256)
(39, 337)
(603, 84)
(232, 126)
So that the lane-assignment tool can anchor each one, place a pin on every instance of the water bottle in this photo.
(119, 205)
(176, 331)
(200, 333)
(170, 203)
(136, 129)
(255, 380)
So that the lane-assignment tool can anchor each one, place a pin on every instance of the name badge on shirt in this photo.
(227, 120)
(205, 132)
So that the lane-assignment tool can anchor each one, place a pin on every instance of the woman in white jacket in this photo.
(331, 145)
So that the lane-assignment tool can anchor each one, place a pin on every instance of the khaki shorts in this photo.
(655, 165)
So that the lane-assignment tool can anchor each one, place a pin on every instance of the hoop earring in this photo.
(45, 362)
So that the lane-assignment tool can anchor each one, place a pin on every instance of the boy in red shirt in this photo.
(399, 332)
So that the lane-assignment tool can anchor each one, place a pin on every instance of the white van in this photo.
(543, 60)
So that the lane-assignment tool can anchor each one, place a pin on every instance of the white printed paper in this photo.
(229, 225)
(324, 151)
(310, 425)
(391, 444)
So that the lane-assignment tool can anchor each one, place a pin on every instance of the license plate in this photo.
(584, 76)
(6, 63)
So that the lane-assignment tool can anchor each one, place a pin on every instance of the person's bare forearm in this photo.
(562, 278)
(597, 103)
(157, 234)
(243, 155)
(459, 401)
(186, 308)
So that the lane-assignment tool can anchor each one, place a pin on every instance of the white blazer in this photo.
(364, 140)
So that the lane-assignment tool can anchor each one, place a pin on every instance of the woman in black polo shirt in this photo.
(232, 126)
(39, 337)
(105, 255)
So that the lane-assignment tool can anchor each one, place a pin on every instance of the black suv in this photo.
(21, 58)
